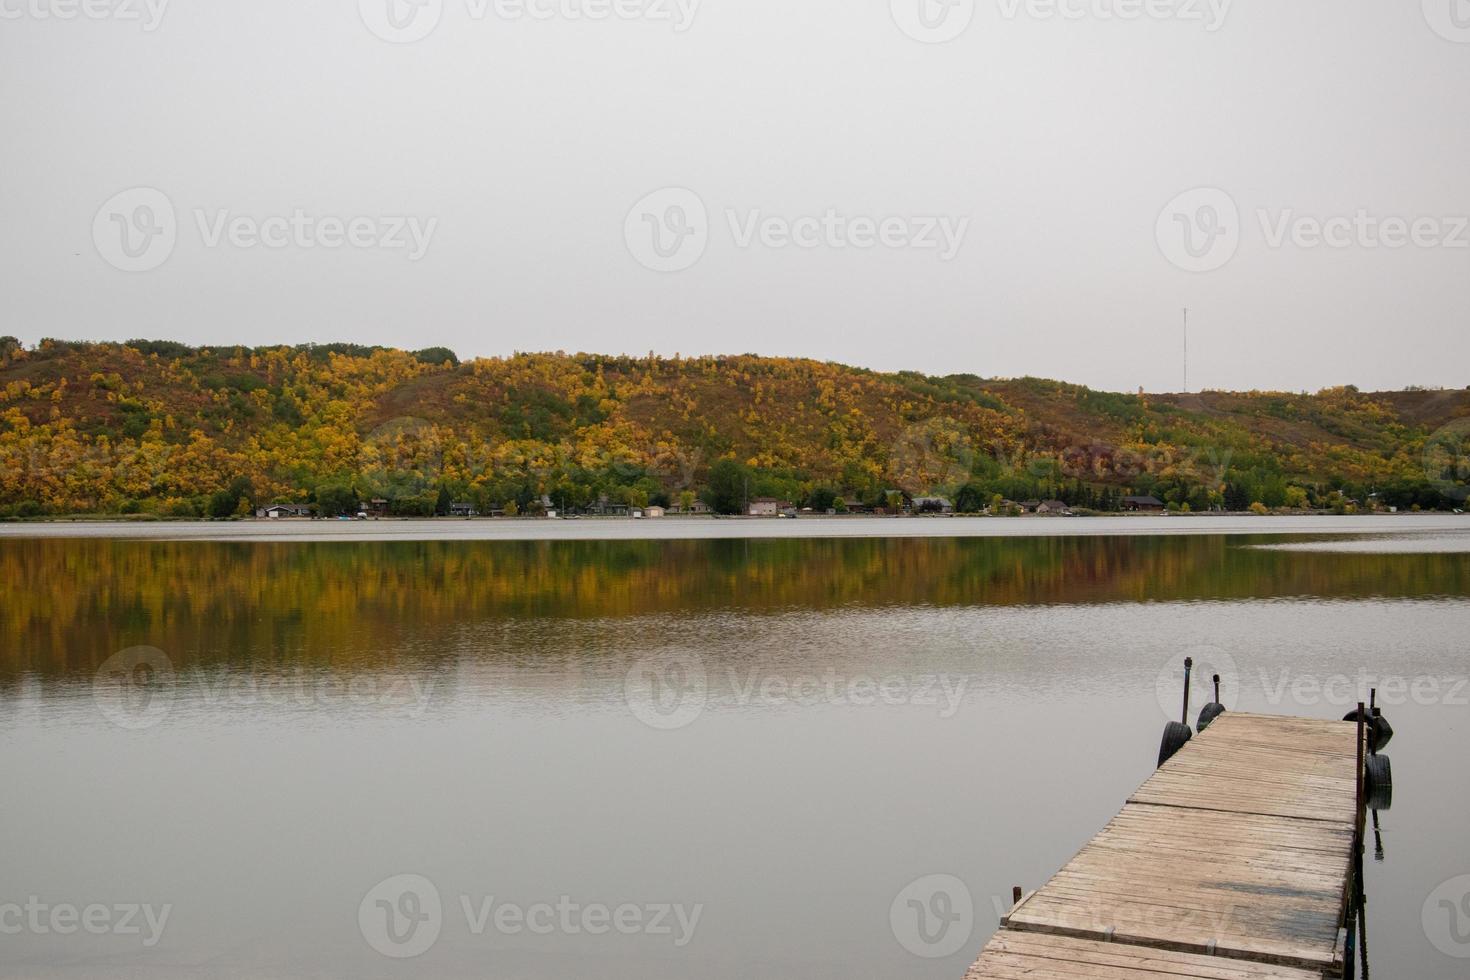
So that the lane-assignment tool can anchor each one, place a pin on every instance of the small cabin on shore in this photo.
(278, 511)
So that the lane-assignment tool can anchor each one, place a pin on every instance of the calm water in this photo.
(647, 759)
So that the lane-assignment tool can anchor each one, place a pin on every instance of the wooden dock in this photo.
(1232, 862)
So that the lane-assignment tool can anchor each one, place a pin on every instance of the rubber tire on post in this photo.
(1175, 735)
(1379, 783)
(1382, 731)
(1209, 713)
(1379, 730)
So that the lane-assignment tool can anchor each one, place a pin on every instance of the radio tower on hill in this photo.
(1186, 350)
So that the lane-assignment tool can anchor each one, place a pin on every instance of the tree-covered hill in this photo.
(159, 427)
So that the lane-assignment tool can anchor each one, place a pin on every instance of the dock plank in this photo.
(1017, 955)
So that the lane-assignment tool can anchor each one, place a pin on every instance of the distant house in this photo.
(768, 507)
(1148, 502)
(603, 507)
(654, 511)
(277, 511)
(933, 505)
(1054, 507)
(698, 507)
(377, 507)
(462, 508)
(1029, 506)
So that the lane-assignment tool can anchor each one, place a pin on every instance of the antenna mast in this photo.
(1186, 350)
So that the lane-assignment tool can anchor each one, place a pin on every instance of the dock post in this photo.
(1359, 891)
(1362, 715)
(1188, 668)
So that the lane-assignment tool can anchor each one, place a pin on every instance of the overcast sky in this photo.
(1002, 187)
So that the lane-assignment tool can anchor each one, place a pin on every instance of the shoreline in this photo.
(730, 528)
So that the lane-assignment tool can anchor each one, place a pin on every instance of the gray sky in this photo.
(1052, 139)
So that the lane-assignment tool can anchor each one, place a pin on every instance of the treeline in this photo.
(159, 427)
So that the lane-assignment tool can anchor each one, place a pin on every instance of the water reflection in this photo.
(72, 604)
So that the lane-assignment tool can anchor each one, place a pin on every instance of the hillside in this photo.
(158, 427)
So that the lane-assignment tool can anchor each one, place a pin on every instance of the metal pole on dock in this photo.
(1360, 844)
(1357, 930)
(1188, 668)
(1362, 715)
(1362, 921)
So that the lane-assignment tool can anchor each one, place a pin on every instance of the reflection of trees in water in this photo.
(71, 604)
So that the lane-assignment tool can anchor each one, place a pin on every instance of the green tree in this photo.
(222, 503)
(415, 505)
(234, 499)
(437, 356)
(971, 499)
(335, 499)
(726, 490)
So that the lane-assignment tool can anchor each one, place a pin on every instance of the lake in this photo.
(414, 749)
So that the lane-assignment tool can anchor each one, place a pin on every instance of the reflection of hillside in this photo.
(73, 603)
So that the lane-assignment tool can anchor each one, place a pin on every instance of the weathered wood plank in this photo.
(1017, 955)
